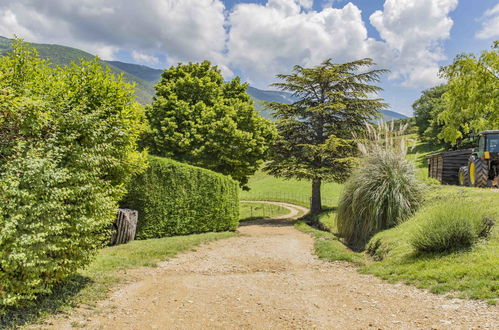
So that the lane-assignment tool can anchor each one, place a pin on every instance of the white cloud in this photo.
(490, 26)
(256, 40)
(10, 27)
(187, 29)
(145, 58)
(269, 39)
(412, 31)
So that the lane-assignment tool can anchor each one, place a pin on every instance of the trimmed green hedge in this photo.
(179, 199)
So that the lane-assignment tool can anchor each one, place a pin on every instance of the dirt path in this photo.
(269, 278)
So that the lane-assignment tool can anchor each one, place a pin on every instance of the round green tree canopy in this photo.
(198, 118)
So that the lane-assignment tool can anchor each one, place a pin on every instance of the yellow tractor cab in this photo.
(483, 164)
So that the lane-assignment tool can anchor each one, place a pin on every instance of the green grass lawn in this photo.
(266, 187)
(105, 272)
(252, 211)
(470, 273)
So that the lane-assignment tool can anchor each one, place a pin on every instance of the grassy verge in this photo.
(252, 211)
(467, 273)
(471, 273)
(328, 247)
(105, 272)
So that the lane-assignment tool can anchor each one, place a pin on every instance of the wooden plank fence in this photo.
(444, 166)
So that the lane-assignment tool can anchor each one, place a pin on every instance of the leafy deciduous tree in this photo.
(316, 132)
(472, 98)
(68, 145)
(426, 111)
(199, 119)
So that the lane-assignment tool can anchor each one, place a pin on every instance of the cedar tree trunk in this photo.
(316, 205)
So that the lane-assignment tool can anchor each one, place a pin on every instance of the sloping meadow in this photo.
(450, 245)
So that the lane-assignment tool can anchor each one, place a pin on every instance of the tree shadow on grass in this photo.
(268, 222)
(62, 296)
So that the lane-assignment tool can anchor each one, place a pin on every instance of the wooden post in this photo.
(125, 226)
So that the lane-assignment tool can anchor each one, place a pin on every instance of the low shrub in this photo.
(179, 199)
(450, 226)
(67, 147)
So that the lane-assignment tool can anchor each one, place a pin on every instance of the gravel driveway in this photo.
(267, 278)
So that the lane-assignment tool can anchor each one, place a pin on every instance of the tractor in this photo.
(483, 164)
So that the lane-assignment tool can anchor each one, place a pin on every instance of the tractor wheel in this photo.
(478, 171)
(464, 178)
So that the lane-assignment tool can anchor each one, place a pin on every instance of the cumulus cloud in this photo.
(187, 29)
(145, 58)
(268, 39)
(10, 26)
(255, 40)
(412, 31)
(490, 26)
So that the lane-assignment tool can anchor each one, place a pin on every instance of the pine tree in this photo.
(317, 131)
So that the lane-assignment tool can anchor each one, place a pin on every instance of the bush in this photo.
(383, 191)
(67, 147)
(379, 195)
(450, 226)
(179, 199)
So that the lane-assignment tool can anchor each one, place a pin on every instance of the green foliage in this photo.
(449, 226)
(64, 56)
(412, 127)
(199, 119)
(67, 147)
(466, 273)
(316, 132)
(381, 193)
(472, 98)
(426, 111)
(178, 199)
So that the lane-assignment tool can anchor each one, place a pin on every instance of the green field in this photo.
(105, 272)
(252, 211)
(268, 188)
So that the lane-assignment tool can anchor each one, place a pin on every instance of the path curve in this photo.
(294, 210)
(267, 278)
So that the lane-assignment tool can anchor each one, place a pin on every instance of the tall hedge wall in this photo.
(178, 199)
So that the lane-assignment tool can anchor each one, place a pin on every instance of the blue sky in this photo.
(259, 39)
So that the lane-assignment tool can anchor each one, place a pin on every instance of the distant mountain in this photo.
(145, 77)
(143, 72)
(389, 115)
